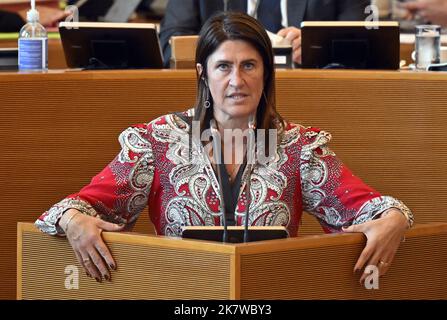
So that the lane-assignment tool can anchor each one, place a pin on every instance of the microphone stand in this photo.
(250, 164)
(225, 5)
(217, 158)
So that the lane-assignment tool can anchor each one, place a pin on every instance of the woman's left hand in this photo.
(384, 236)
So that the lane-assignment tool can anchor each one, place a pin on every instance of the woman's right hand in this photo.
(84, 234)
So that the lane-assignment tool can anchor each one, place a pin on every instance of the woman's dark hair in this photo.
(236, 26)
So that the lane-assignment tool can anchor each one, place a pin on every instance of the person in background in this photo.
(10, 21)
(14, 21)
(152, 10)
(167, 166)
(186, 17)
(145, 5)
(434, 11)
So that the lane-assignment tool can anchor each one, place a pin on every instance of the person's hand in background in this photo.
(48, 17)
(434, 11)
(293, 34)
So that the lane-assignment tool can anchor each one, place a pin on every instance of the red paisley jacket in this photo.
(154, 169)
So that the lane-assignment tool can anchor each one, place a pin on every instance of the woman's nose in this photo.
(236, 78)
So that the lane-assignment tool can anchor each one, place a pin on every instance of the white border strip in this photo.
(111, 25)
(349, 24)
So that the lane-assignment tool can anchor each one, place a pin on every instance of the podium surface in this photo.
(156, 267)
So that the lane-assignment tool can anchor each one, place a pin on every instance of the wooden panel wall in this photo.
(389, 128)
(58, 129)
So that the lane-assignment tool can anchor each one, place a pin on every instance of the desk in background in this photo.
(59, 129)
(183, 50)
(56, 57)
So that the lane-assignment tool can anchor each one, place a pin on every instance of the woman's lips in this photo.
(237, 96)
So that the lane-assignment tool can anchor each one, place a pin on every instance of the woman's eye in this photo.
(249, 66)
(223, 67)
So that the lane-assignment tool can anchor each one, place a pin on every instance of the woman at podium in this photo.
(191, 169)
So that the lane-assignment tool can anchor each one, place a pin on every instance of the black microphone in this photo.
(217, 158)
(250, 164)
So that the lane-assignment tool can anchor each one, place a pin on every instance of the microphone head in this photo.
(251, 122)
(213, 125)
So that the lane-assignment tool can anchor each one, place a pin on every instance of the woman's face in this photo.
(235, 79)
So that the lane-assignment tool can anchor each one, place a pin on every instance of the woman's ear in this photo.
(199, 69)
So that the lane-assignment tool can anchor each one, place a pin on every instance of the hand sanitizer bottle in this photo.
(33, 43)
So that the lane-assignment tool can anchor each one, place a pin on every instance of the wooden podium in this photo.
(313, 267)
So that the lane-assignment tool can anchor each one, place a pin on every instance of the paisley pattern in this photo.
(317, 169)
(47, 221)
(138, 170)
(160, 167)
(198, 176)
(373, 208)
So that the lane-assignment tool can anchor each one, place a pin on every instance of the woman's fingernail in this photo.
(112, 266)
(98, 279)
(107, 277)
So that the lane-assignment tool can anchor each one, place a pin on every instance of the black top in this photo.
(230, 191)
